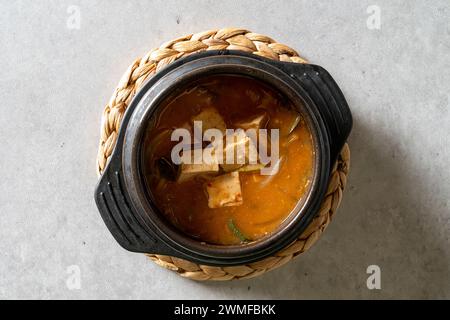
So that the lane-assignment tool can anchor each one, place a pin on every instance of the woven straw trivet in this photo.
(232, 39)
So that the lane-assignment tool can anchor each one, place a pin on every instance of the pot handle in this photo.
(328, 98)
(117, 212)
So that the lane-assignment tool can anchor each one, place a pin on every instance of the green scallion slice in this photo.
(236, 231)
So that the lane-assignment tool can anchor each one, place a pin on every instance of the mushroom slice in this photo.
(166, 168)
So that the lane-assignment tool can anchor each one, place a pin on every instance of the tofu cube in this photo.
(211, 119)
(238, 151)
(224, 191)
(194, 164)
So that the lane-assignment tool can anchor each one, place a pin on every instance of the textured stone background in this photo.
(55, 81)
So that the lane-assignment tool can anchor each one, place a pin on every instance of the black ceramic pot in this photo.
(122, 197)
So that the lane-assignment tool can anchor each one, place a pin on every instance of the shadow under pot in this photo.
(156, 196)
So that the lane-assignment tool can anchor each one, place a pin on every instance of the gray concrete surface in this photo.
(55, 81)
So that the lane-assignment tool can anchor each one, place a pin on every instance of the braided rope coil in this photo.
(232, 39)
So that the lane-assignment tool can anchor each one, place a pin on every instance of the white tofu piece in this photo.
(224, 191)
(211, 119)
(189, 167)
(238, 151)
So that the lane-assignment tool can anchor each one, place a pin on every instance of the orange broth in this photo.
(267, 200)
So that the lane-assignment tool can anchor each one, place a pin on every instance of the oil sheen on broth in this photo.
(255, 205)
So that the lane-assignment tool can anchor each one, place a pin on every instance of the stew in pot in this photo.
(228, 200)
